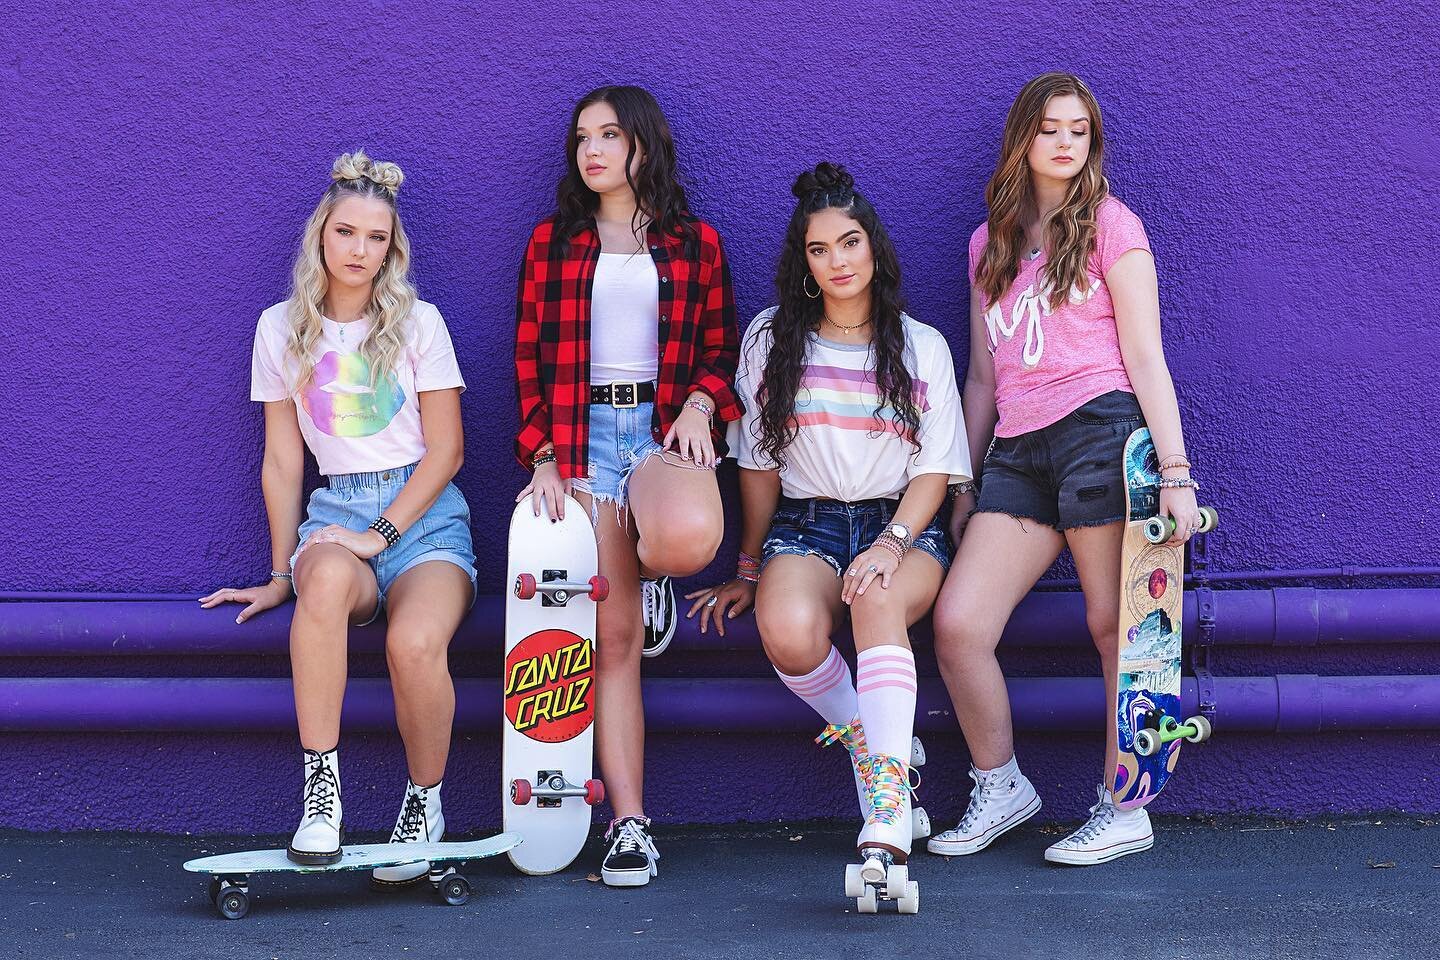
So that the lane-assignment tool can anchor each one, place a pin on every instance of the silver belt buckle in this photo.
(615, 389)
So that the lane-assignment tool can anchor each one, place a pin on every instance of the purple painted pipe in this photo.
(1281, 704)
(1288, 616)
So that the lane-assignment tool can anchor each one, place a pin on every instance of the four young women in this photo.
(842, 413)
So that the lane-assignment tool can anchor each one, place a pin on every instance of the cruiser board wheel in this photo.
(1202, 729)
(1209, 519)
(455, 889)
(519, 792)
(1146, 743)
(233, 904)
(1159, 529)
(525, 586)
(594, 792)
(599, 588)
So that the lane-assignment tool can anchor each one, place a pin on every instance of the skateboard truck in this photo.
(1149, 741)
(558, 592)
(1160, 529)
(551, 788)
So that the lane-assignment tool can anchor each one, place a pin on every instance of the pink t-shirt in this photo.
(350, 424)
(1049, 361)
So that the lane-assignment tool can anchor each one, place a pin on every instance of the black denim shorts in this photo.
(1068, 474)
(839, 532)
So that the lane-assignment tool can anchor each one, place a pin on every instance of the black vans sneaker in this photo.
(657, 610)
(630, 861)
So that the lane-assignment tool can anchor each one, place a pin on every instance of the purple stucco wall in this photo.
(160, 166)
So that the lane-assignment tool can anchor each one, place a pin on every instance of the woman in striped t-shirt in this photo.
(851, 433)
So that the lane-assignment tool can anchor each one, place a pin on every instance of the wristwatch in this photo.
(900, 532)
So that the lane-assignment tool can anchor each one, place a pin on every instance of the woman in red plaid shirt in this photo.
(625, 360)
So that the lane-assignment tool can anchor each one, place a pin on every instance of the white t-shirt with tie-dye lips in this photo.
(348, 424)
(845, 448)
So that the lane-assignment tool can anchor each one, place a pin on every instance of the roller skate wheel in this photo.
(854, 884)
(910, 902)
(917, 752)
(599, 588)
(1202, 729)
(895, 879)
(867, 901)
(519, 792)
(1146, 743)
(873, 870)
(525, 586)
(594, 792)
(919, 823)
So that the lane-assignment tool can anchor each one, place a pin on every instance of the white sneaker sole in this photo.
(1089, 858)
(962, 848)
(627, 878)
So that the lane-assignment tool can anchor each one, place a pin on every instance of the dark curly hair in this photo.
(658, 193)
(829, 187)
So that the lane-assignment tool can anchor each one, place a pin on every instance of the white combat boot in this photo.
(317, 840)
(421, 821)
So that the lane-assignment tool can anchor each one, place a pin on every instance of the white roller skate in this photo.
(852, 737)
(884, 841)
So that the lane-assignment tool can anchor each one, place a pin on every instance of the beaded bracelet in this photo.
(1175, 461)
(1168, 484)
(892, 543)
(696, 403)
(387, 530)
(747, 568)
(541, 460)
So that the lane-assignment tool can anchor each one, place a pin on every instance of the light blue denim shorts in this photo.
(354, 500)
(620, 440)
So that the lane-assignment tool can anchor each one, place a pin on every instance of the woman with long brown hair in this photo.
(1065, 361)
(625, 357)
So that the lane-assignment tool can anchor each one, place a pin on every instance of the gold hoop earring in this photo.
(805, 283)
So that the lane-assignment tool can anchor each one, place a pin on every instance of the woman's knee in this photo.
(414, 650)
(328, 581)
(684, 547)
(793, 634)
(878, 609)
(962, 631)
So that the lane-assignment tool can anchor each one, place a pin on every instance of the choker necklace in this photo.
(841, 326)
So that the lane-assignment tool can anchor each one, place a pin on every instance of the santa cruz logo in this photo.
(549, 682)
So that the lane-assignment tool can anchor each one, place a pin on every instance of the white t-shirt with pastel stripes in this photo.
(848, 446)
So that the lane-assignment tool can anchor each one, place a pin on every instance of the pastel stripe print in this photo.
(886, 670)
(821, 680)
(846, 400)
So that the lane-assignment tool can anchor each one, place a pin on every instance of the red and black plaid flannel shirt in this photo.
(698, 339)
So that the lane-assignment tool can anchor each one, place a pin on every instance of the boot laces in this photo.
(321, 790)
(850, 735)
(979, 799)
(411, 825)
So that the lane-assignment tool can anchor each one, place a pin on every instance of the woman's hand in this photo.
(1178, 503)
(690, 434)
(256, 599)
(874, 563)
(365, 544)
(725, 602)
(961, 508)
(546, 484)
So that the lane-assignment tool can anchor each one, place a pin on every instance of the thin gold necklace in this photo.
(841, 326)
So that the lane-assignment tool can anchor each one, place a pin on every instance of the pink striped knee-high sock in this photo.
(828, 689)
(885, 685)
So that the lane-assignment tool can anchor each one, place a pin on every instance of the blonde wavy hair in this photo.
(392, 295)
(1010, 196)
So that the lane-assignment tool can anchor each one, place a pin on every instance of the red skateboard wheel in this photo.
(594, 792)
(519, 792)
(525, 586)
(599, 588)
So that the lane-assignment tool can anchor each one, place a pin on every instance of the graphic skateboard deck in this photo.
(1145, 701)
(548, 731)
(230, 872)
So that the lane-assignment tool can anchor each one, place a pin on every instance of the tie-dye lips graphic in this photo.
(340, 399)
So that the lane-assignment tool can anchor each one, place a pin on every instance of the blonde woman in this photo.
(356, 368)
(1065, 361)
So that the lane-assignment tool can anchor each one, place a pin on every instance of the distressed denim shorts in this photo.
(620, 440)
(354, 500)
(838, 532)
(1068, 474)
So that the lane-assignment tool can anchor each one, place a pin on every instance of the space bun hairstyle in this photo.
(830, 186)
(392, 295)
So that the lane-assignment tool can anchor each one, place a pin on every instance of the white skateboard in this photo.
(550, 686)
(230, 872)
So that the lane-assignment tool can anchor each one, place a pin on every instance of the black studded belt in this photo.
(623, 394)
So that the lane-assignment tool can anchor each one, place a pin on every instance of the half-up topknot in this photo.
(824, 179)
(350, 167)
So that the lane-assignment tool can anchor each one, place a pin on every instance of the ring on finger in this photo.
(712, 601)
(873, 568)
